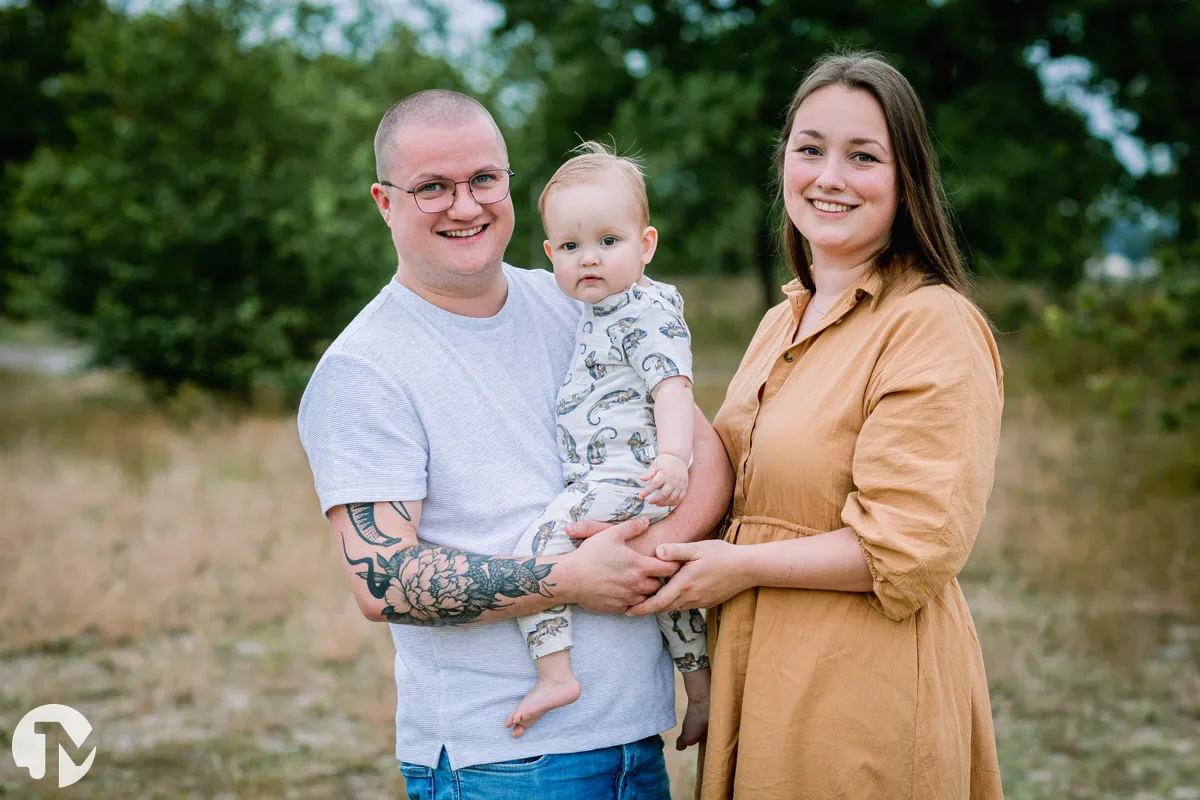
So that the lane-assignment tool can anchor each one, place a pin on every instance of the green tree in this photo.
(211, 221)
(700, 88)
(1145, 59)
(33, 53)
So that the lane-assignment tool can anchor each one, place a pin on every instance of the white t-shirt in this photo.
(412, 402)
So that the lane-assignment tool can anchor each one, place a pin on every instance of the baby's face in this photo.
(596, 242)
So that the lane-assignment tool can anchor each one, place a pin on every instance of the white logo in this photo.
(29, 745)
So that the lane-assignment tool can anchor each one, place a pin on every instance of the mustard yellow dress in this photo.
(885, 420)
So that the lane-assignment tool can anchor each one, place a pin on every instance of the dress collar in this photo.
(869, 284)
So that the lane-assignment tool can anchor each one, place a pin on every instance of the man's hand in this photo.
(666, 482)
(608, 576)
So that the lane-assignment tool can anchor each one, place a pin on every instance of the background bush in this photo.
(211, 220)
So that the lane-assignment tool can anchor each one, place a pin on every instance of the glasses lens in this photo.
(434, 196)
(489, 187)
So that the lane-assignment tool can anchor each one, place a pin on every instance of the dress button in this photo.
(787, 357)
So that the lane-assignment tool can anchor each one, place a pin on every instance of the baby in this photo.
(624, 410)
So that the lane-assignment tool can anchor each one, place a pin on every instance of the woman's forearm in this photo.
(831, 561)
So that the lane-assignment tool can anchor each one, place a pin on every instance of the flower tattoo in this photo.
(438, 586)
(428, 587)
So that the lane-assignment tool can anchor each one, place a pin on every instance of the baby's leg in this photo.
(548, 633)
(686, 636)
(556, 687)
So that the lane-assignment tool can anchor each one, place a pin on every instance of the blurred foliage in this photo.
(1135, 344)
(185, 190)
(211, 220)
(700, 89)
(34, 51)
(1144, 58)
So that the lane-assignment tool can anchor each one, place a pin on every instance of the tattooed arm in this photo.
(395, 578)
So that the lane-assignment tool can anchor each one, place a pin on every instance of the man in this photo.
(430, 429)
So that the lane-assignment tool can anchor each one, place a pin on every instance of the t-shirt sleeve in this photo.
(363, 436)
(659, 344)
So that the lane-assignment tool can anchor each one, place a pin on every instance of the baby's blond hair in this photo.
(593, 158)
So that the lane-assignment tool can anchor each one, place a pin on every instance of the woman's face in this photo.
(839, 176)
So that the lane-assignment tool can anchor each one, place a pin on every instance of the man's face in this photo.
(452, 247)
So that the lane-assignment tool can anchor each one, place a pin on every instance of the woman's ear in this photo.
(649, 244)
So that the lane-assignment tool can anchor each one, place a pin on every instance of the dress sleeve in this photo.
(925, 457)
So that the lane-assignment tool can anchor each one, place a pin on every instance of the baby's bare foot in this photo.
(545, 695)
(695, 724)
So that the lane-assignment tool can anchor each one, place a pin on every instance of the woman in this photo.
(862, 425)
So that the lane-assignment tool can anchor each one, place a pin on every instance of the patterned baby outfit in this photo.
(624, 346)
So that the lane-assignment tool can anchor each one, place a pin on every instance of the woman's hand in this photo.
(711, 573)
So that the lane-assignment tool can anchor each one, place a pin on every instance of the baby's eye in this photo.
(608, 241)
(569, 246)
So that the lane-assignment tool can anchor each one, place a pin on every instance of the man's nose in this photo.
(465, 206)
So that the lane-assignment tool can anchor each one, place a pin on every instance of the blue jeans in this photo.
(634, 771)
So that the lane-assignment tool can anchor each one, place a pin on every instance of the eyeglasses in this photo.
(437, 195)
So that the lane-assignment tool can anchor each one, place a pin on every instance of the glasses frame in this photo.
(454, 191)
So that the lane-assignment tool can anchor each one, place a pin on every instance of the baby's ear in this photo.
(649, 243)
(546, 247)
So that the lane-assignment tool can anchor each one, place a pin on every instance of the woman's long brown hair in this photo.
(921, 232)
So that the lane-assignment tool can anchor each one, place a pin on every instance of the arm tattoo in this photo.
(437, 586)
(362, 517)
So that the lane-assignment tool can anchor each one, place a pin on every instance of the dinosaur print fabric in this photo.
(624, 346)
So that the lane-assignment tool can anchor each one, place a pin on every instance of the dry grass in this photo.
(166, 572)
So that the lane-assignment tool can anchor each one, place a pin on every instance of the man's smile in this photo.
(464, 233)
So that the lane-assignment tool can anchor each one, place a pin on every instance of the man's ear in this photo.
(546, 247)
(382, 201)
(649, 243)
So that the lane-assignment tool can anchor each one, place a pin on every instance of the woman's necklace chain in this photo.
(820, 313)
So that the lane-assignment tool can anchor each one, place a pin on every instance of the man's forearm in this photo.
(397, 578)
(434, 586)
(710, 490)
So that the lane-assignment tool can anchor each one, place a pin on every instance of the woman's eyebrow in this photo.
(856, 141)
(860, 140)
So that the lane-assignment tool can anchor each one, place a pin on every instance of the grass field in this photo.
(166, 571)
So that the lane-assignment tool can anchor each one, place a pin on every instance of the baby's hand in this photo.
(667, 480)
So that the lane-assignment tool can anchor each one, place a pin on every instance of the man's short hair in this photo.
(594, 158)
(437, 106)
